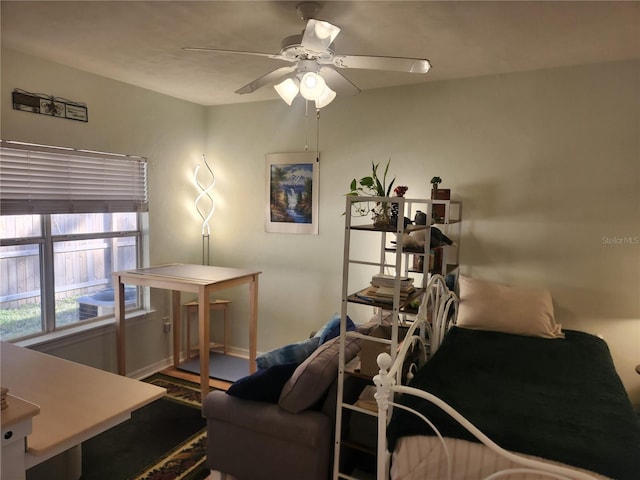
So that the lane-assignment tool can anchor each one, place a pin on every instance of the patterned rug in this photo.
(187, 460)
(165, 440)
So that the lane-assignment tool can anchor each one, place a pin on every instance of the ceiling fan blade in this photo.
(337, 81)
(274, 56)
(318, 35)
(269, 78)
(398, 64)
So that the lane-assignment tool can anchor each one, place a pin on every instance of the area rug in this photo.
(221, 367)
(163, 440)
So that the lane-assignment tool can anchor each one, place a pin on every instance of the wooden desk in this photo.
(76, 402)
(200, 279)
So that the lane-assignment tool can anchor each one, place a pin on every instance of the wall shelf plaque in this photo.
(49, 105)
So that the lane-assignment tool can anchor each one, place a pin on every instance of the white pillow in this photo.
(491, 306)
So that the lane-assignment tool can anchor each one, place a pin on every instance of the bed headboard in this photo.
(436, 315)
(438, 311)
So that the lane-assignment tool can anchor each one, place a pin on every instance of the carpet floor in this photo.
(163, 440)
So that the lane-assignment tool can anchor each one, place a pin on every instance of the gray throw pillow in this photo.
(314, 376)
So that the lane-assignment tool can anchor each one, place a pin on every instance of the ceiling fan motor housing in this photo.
(305, 66)
(308, 10)
(291, 48)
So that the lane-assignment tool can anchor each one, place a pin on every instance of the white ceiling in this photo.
(140, 42)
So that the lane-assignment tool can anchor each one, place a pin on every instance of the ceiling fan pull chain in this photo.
(306, 125)
(317, 134)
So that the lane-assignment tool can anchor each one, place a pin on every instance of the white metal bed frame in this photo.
(443, 304)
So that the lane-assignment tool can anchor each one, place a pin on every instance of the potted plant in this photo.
(373, 186)
(435, 181)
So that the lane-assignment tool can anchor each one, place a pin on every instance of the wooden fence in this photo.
(80, 268)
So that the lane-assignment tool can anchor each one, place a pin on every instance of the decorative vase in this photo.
(400, 190)
(381, 215)
(394, 213)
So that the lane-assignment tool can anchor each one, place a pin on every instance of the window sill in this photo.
(79, 333)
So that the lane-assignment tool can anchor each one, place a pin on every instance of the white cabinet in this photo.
(384, 276)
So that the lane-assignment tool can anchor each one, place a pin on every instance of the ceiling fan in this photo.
(313, 73)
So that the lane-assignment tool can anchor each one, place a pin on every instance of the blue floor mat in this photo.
(221, 367)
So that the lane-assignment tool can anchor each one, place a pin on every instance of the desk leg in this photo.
(225, 332)
(177, 326)
(253, 323)
(118, 299)
(203, 332)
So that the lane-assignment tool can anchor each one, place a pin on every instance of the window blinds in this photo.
(36, 179)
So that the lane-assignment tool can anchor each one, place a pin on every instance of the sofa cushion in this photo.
(266, 419)
(295, 352)
(312, 378)
(264, 385)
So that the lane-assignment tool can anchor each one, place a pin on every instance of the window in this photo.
(68, 220)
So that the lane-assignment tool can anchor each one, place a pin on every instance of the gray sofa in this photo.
(289, 440)
(260, 441)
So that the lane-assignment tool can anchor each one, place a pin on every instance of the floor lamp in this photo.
(205, 191)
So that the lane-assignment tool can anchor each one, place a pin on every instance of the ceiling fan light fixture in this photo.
(325, 30)
(326, 98)
(318, 36)
(312, 86)
(288, 89)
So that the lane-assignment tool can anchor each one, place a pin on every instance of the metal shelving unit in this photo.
(361, 261)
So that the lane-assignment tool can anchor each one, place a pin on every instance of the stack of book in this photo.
(3, 397)
(389, 281)
(367, 399)
(382, 289)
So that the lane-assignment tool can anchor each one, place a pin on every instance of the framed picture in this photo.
(292, 192)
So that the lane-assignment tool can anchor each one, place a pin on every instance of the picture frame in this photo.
(291, 192)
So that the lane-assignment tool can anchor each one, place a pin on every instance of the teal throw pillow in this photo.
(331, 329)
(295, 352)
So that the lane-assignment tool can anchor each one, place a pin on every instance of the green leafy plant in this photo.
(372, 185)
(435, 181)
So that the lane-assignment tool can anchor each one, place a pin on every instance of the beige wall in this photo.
(547, 164)
(129, 120)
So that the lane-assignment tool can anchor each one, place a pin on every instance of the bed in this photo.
(496, 404)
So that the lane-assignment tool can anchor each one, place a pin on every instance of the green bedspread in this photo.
(559, 399)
